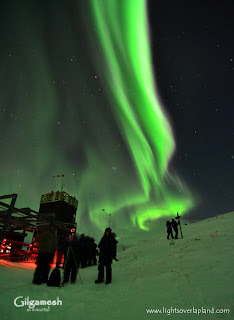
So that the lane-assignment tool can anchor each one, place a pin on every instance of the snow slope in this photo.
(151, 273)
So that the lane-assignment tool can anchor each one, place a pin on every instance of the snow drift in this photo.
(154, 278)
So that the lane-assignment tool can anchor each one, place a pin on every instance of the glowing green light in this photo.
(85, 144)
(122, 30)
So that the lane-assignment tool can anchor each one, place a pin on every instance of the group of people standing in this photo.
(173, 224)
(87, 250)
(78, 252)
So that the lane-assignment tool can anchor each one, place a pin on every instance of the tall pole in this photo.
(109, 215)
(178, 217)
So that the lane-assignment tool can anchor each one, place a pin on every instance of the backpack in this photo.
(55, 278)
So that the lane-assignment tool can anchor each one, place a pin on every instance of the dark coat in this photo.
(107, 247)
(73, 250)
(47, 241)
(94, 247)
(174, 225)
(168, 225)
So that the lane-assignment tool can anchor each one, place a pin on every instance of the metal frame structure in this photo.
(26, 219)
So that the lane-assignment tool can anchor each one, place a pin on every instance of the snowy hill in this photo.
(193, 273)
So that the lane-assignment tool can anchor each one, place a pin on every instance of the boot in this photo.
(98, 281)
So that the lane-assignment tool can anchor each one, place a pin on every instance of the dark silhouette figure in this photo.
(169, 230)
(107, 247)
(72, 258)
(84, 250)
(174, 225)
(92, 248)
(89, 251)
(47, 241)
(94, 252)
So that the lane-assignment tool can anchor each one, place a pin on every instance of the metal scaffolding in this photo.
(25, 219)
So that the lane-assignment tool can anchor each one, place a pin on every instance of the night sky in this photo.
(193, 54)
(63, 106)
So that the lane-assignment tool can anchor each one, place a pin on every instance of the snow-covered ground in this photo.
(193, 273)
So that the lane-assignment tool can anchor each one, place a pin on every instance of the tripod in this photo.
(68, 252)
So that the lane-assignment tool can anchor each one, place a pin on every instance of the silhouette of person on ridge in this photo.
(174, 225)
(169, 230)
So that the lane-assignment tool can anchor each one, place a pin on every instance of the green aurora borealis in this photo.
(125, 44)
(108, 134)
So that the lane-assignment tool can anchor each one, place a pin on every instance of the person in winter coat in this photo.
(174, 225)
(94, 252)
(47, 240)
(92, 247)
(84, 250)
(72, 259)
(107, 247)
(169, 230)
(89, 251)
